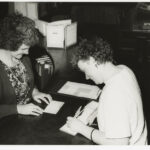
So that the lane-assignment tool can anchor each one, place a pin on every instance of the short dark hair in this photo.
(15, 30)
(97, 48)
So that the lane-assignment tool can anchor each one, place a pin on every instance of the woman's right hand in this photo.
(29, 109)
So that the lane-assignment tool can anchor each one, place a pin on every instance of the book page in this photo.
(66, 129)
(80, 90)
(71, 34)
(54, 107)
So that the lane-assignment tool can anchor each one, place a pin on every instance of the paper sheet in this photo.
(88, 116)
(66, 129)
(80, 90)
(53, 107)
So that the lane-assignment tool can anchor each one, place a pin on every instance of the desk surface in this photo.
(19, 129)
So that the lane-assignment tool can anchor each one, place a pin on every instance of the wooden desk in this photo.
(19, 129)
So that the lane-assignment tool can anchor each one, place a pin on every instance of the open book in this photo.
(80, 90)
(87, 116)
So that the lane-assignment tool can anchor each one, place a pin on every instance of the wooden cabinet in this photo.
(134, 47)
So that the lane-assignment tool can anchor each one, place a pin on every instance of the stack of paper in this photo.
(80, 90)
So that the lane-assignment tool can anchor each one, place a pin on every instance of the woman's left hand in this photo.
(38, 96)
(75, 124)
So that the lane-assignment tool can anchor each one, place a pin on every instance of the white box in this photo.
(61, 34)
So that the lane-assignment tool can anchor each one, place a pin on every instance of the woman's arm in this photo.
(97, 136)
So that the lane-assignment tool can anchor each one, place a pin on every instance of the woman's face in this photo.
(22, 50)
(91, 69)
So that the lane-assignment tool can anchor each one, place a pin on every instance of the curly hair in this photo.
(15, 30)
(97, 48)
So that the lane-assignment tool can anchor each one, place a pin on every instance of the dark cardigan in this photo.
(8, 102)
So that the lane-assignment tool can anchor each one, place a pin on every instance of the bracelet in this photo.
(91, 134)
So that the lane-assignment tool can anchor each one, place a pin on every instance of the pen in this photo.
(78, 112)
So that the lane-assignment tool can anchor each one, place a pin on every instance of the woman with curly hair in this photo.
(17, 34)
(120, 115)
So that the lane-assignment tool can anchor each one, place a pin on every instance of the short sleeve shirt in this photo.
(120, 111)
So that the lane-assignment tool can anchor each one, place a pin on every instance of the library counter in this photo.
(20, 129)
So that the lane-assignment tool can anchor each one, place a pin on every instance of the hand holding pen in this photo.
(74, 123)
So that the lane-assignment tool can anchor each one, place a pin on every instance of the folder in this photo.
(80, 90)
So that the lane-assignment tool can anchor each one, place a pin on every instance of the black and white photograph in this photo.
(75, 73)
